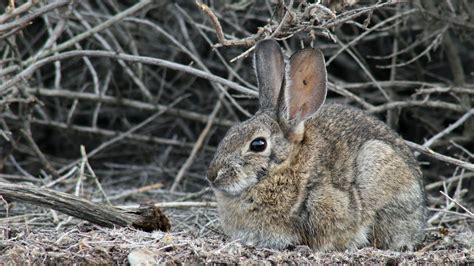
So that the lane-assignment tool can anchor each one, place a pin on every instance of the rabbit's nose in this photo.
(215, 176)
(212, 174)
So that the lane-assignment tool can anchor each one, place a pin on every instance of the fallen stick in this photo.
(145, 218)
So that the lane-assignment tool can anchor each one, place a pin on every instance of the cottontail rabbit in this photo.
(300, 173)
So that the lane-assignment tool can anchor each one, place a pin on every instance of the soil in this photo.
(44, 237)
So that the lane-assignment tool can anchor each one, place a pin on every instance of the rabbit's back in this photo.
(342, 123)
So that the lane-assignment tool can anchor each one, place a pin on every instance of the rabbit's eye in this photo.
(258, 145)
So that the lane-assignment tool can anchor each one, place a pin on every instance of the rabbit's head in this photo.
(269, 140)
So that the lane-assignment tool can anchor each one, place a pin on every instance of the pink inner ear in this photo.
(307, 91)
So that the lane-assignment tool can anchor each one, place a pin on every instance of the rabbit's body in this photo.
(341, 180)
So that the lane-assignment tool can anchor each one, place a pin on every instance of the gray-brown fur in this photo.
(339, 179)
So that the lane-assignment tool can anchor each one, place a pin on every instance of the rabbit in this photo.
(302, 173)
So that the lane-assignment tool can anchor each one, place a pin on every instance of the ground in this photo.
(41, 237)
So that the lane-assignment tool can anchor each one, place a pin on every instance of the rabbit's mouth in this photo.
(233, 185)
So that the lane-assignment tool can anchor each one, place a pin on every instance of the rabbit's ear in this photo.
(270, 68)
(306, 90)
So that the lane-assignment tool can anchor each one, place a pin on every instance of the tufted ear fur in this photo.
(270, 70)
(305, 91)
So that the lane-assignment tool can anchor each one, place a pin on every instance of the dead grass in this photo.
(196, 238)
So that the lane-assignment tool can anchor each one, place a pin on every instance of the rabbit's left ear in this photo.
(270, 68)
(305, 91)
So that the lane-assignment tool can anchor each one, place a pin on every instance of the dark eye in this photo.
(258, 145)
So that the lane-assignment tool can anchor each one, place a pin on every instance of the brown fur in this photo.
(347, 181)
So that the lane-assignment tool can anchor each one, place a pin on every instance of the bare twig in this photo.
(218, 28)
(457, 203)
(441, 157)
(110, 133)
(116, 139)
(118, 17)
(196, 147)
(179, 204)
(134, 104)
(17, 11)
(451, 127)
(142, 59)
(92, 173)
(21, 22)
(448, 181)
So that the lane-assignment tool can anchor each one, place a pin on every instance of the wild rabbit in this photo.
(299, 173)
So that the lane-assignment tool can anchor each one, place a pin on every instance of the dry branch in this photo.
(139, 105)
(108, 133)
(23, 21)
(197, 146)
(441, 157)
(219, 33)
(16, 11)
(118, 17)
(450, 128)
(449, 180)
(132, 58)
(144, 218)
(180, 204)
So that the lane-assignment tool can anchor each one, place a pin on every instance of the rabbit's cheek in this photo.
(281, 150)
